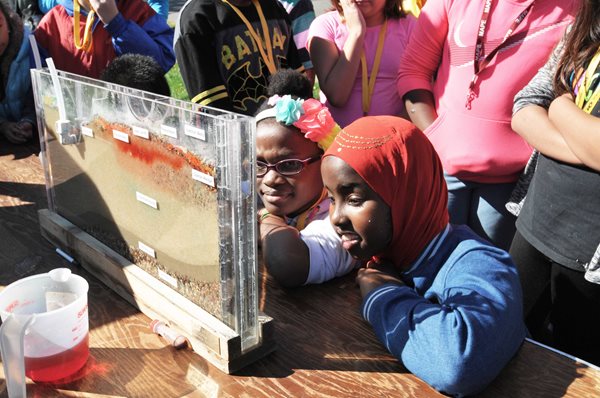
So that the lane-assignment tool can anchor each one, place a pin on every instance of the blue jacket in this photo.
(18, 97)
(458, 321)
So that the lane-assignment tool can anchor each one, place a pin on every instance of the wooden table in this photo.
(324, 348)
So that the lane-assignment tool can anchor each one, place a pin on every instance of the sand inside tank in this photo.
(97, 184)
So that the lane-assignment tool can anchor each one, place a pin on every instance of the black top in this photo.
(561, 215)
(220, 63)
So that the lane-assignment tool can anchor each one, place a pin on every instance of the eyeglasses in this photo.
(285, 167)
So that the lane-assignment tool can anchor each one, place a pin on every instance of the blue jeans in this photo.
(481, 207)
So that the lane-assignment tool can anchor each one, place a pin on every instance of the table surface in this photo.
(324, 348)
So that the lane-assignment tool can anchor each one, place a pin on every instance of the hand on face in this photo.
(354, 18)
(376, 275)
(106, 9)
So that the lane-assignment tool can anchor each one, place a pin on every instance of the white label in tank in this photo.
(121, 136)
(203, 177)
(195, 132)
(168, 130)
(147, 249)
(87, 131)
(167, 278)
(147, 200)
(141, 132)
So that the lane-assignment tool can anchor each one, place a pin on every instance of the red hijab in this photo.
(399, 163)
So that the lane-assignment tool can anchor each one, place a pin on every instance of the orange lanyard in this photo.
(267, 54)
(368, 82)
(86, 43)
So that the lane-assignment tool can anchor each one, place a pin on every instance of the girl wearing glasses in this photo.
(298, 243)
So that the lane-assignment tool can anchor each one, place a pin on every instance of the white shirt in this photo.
(328, 259)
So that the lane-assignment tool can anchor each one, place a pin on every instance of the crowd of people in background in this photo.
(409, 164)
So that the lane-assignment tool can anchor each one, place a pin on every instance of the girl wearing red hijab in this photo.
(442, 300)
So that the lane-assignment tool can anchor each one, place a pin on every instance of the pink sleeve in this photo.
(424, 51)
(322, 27)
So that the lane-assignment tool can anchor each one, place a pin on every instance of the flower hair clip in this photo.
(310, 116)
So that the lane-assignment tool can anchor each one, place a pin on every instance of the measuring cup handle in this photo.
(12, 332)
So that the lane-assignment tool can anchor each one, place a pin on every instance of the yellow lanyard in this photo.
(588, 104)
(368, 82)
(268, 54)
(86, 44)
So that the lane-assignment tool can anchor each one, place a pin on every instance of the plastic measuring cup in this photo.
(44, 332)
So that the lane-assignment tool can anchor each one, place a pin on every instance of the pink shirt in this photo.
(386, 100)
(479, 144)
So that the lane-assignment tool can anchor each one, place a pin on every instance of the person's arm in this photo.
(336, 70)
(532, 123)
(293, 55)
(530, 113)
(420, 108)
(315, 255)
(194, 50)
(420, 62)
(458, 338)
(328, 259)
(580, 130)
(150, 36)
(301, 16)
(284, 254)
(161, 7)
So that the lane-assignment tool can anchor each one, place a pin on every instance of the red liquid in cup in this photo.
(58, 366)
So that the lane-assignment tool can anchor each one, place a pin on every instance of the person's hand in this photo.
(263, 214)
(353, 16)
(375, 275)
(17, 133)
(106, 9)
(26, 129)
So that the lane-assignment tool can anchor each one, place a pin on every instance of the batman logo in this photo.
(247, 91)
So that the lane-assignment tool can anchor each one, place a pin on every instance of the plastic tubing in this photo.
(175, 339)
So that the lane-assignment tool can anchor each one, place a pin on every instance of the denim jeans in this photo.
(482, 207)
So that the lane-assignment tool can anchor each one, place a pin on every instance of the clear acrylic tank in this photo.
(164, 183)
